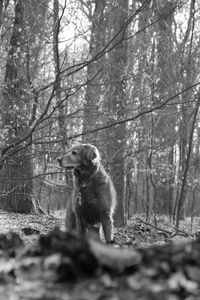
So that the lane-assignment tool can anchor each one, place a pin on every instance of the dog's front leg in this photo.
(70, 218)
(76, 205)
(80, 221)
(107, 224)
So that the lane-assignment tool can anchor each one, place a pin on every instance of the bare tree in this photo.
(92, 114)
(16, 175)
(18, 103)
(116, 105)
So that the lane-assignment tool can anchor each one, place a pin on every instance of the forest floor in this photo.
(137, 233)
(159, 275)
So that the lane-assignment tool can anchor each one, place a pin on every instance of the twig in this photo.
(155, 227)
(178, 231)
(172, 234)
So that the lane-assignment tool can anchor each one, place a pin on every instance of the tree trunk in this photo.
(165, 84)
(62, 110)
(57, 85)
(1, 14)
(187, 74)
(116, 102)
(183, 192)
(94, 74)
(16, 175)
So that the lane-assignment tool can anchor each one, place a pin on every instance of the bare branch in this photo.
(144, 112)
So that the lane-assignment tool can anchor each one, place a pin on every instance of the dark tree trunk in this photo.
(16, 187)
(94, 74)
(116, 103)
(57, 86)
(183, 192)
(188, 76)
(165, 85)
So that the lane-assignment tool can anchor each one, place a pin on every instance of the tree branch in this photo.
(149, 110)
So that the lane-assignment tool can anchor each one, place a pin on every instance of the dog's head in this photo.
(80, 155)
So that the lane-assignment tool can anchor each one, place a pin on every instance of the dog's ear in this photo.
(90, 155)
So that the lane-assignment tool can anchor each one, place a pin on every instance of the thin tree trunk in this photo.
(185, 107)
(94, 74)
(57, 86)
(70, 217)
(116, 102)
(1, 14)
(183, 192)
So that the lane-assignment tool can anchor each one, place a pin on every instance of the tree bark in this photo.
(57, 85)
(187, 79)
(94, 74)
(1, 14)
(166, 87)
(62, 111)
(16, 175)
(116, 103)
(183, 192)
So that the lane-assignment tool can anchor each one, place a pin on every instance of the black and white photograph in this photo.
(99, 149)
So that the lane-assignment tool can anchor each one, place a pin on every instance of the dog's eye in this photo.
(74, 152)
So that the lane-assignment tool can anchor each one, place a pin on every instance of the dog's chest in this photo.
(88, 193)
(90, 204)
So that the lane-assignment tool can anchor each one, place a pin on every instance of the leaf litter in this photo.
(40, 262)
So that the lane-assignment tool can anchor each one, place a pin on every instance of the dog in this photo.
(94, 197)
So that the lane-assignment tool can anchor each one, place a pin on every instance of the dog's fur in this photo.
(94, 197)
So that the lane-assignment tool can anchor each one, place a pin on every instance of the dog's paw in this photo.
(110, 242)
